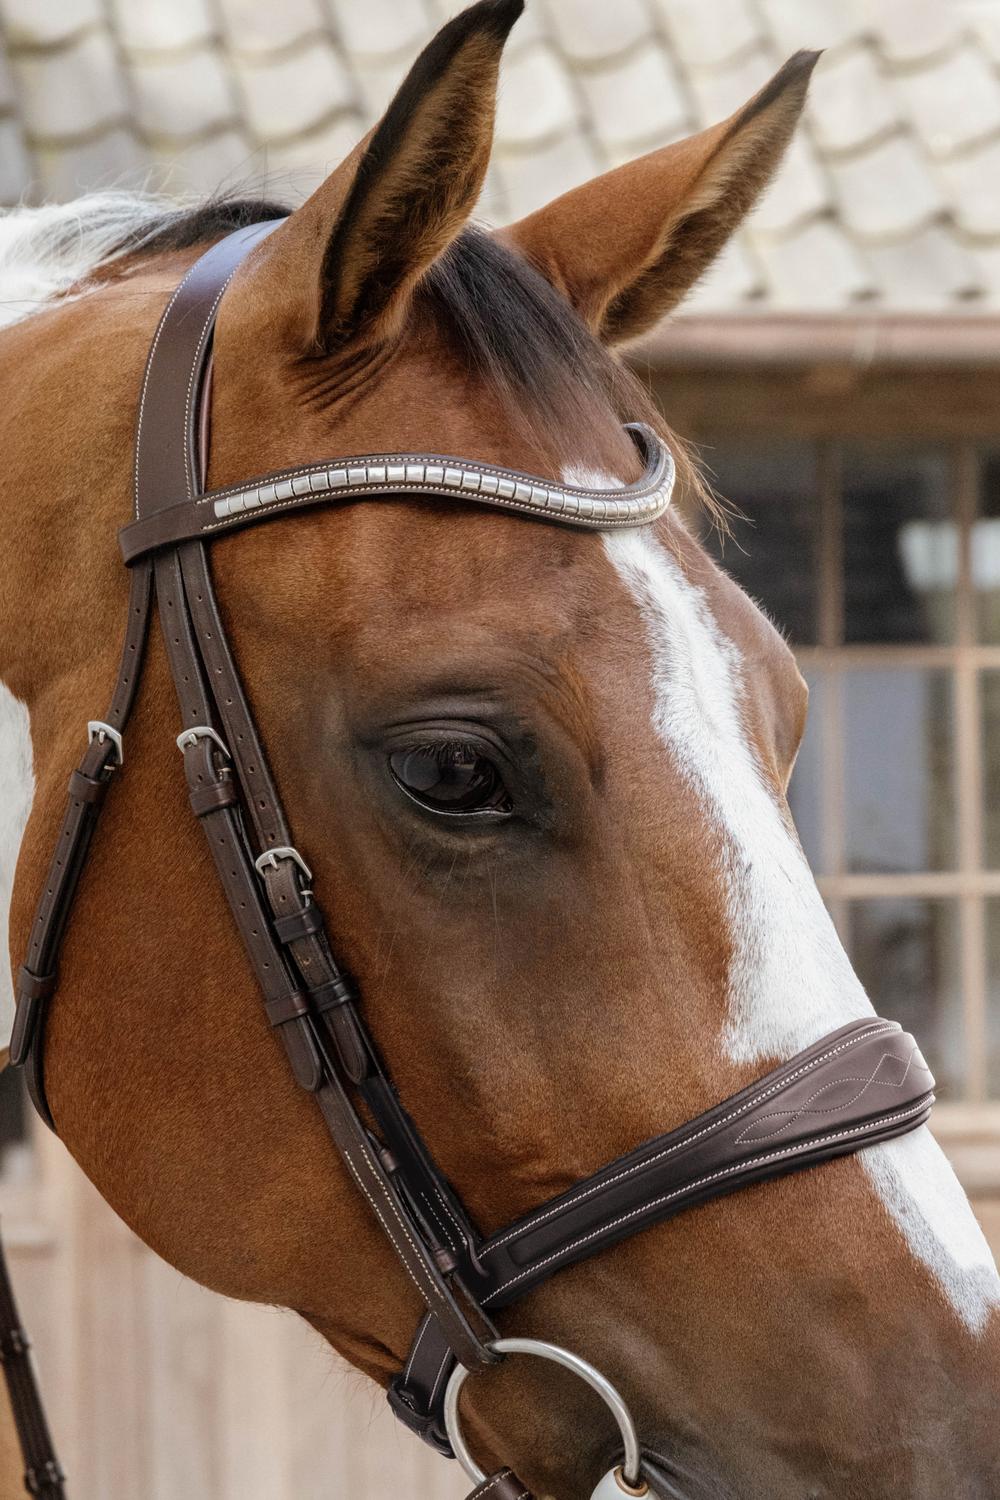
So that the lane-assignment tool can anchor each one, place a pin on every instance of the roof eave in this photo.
(780, 340)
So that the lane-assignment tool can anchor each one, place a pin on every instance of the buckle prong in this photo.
(98, 730)
(201, 732)
(270, 857)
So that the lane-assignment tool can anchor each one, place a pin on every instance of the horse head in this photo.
(540, 776)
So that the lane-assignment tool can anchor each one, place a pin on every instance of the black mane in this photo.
(507, 325)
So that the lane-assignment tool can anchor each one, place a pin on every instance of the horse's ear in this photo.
(350, 257)
(626, 247)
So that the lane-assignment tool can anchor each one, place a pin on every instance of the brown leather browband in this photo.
(866, 1082)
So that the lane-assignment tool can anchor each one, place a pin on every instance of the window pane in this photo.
(899, 813)
(805, 794)
(773, 552)
(900, 544)
(906, 953)
(989, 692)
(985, 560)
(993, 998)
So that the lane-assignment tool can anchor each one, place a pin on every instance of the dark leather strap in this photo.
(321, 1047)
(503, 1485)
(37, 977)
(864, 1083)
(43, 1476)
(202, 517)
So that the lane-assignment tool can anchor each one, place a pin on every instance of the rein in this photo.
(866, 1082)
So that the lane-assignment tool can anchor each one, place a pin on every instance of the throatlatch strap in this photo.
(36, 980)
(43, 1476)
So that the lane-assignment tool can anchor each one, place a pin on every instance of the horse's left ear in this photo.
(626, 247)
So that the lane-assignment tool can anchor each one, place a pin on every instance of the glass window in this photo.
(900, 544)
(993, 998)
(985, 557)
(898, 747)
(773, 549)
(905, 951)
(989, 698)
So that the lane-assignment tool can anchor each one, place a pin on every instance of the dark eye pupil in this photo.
(452, 777)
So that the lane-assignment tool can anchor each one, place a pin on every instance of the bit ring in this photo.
(629, 1470)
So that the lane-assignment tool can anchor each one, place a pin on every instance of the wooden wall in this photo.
(160, 1390)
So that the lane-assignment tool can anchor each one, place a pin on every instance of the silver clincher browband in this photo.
(414, 474)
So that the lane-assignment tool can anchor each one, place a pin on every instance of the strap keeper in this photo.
(214, 796)
(287, 1008)
(34, 986)
(333, 993)
(86, 789)
(299, 924)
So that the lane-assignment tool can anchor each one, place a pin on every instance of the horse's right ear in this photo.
(345, 264)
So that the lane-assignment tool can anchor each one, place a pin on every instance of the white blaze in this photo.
(790, 980)
(17, 787)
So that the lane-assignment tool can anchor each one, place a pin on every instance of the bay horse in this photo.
(630, 936)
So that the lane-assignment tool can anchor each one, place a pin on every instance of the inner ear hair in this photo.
(418, 179)
(746, 156)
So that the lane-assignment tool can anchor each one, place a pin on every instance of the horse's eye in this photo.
(451, 777)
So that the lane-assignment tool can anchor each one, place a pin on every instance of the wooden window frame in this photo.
(827, 403)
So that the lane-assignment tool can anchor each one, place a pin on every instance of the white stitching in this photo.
(145, 379)
(650, 1161)
(413, 1352)
(497, 1478)
(431, 1289)
(753, 1161)
(448, 1356)
(452, 1216)
(195, 366)
(791, 1115)
(442, 1226)
(642, 487)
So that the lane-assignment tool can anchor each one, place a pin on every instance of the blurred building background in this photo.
(838, 370)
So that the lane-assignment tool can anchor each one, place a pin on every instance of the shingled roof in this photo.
(889, 200)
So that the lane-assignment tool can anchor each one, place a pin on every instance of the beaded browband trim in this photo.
(414, 474)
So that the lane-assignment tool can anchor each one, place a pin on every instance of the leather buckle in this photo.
(189, 737)
(270, 858)
(97, 729)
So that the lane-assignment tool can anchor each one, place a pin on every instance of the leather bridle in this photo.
(773, 1127)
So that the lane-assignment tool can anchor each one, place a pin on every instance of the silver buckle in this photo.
(201, 732)
(98, 730)
(270, 857)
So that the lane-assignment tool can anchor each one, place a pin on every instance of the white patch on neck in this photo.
(790, 980)
(17, 790)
